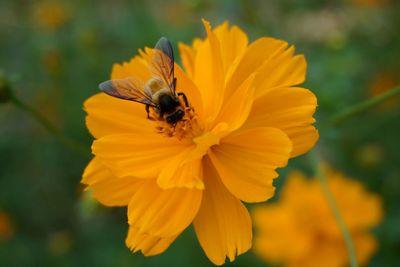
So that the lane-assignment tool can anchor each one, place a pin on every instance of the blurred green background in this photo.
(54, 53)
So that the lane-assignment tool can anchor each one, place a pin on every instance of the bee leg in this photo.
(148, 112)
(174, 83)
(184, 99)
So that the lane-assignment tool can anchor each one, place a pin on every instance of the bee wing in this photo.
(162, 63)
(130, 88)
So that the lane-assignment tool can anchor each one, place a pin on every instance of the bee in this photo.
(159, 92)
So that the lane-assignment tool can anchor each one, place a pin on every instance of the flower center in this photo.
(186, 128)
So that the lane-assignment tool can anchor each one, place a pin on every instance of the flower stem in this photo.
(361, 107)
(68, 142)
(321, 176)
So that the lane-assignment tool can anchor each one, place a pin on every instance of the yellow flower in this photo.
(6, 226)
(300, 229)
(50, 15)
(383, 82)
(248, 120)
(372, 3)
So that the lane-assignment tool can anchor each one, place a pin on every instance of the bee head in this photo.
(175, 117)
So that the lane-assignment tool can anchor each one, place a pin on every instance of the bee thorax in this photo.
(167, 104)
(154, 85)
(156, 96)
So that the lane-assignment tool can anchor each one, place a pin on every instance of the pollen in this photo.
(187, 128)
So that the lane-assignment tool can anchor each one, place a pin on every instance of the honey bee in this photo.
(159, 92)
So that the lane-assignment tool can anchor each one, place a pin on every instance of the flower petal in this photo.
(246, 162)
(178, 173)
(223, 224)
(163, 212)
(108, 189)
(108, 115)
(256, 54)
(188, 55)
(289, 109)
(135, 154)
(116, 191)
(276, 228)
(233, 39)
(136, 67)
(209, 76)
(303, 139)
(282, 69)
(149, 245)
(95, 172)
(237, 108)
(234, 42)
(360, 209)
(185, 84)
(366, 245)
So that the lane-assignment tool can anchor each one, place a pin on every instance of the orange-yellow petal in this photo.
(365, 245)
(303, 138)
(253, 58)
(209, 76)
(281, 69)
(233, 43)
(291, 110)
(95, 172)
(163, 212)
(108, 115)
(185, 84)
(223, 224)
(330, 254)
(188, 55)
(149, 245)
(359, 208)
(108, 189)
(303, 231)
(178, 173)
(136, 154)
(115, 192)
(136, 67)
(246, 162)
(205, 141)
(272, 245)
(236, 110)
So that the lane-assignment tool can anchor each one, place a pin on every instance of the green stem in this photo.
(321, 176)
(68, 142)
(361, 107)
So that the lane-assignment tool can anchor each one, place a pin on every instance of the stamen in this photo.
(188, 127)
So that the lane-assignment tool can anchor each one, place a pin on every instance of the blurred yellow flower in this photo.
(6, 226)
(50, 15)
(248, 120)
(59, 243)
(300, 230)
(52, 61)
(383, 82)
(372, 3)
